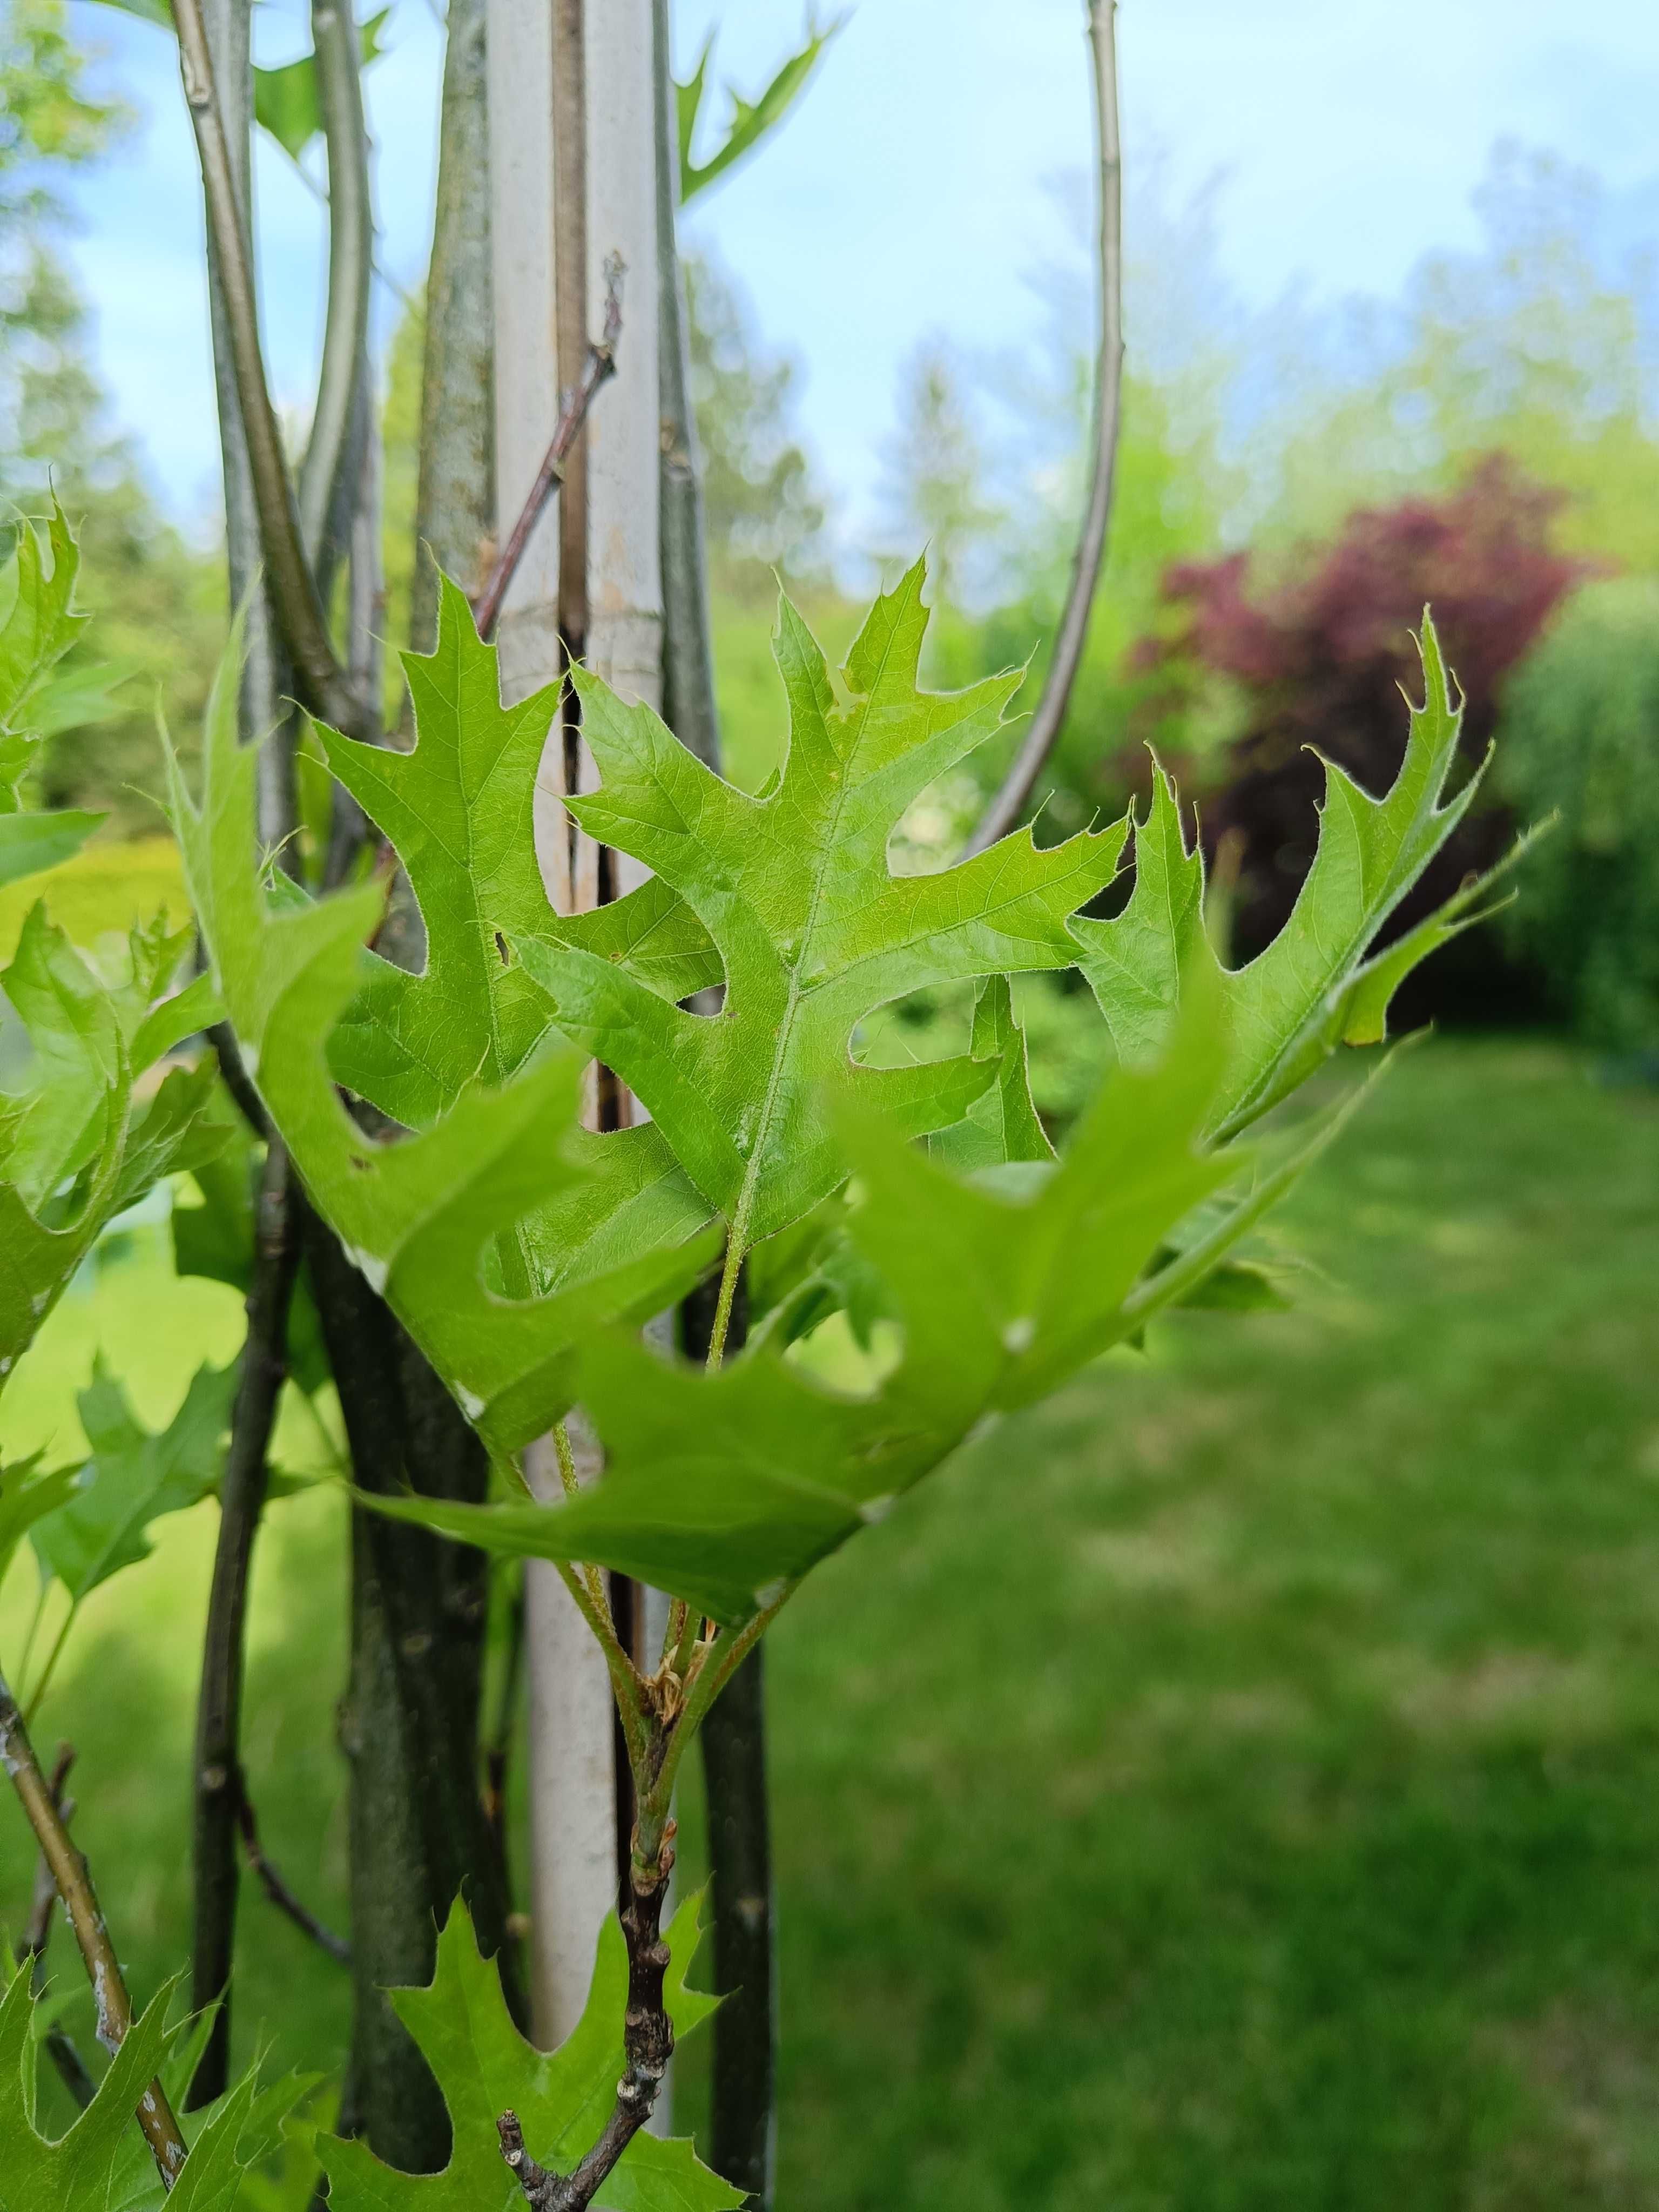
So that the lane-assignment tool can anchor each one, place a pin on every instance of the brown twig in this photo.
(647, 2046)
(600, 367)
(324, 688)
(1009, 804)
(74, 1880)
(71, 2066)
(278, 1891)
(46, 1888)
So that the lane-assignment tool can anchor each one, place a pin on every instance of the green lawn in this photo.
(1235, 1787)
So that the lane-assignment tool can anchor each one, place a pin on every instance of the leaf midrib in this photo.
(743, 1210)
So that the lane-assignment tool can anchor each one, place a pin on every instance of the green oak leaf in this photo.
(752, 120)
(457, 810)
(250, 2129)
(74, 1151)
(85, 1030)
(484, 2068)
(37, 626)
(724, 1489)
(812, 929)
(1313, 988)
(134, 1477)
(74, 2174)
(27, 1494)
(31, 843)
(425, 1218)
(1001, 1125)
(38, 622)
(287, 101)
(102, 2165)
(811, 1270)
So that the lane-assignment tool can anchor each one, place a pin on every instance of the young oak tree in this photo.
(521, 1252)
(520, 1269)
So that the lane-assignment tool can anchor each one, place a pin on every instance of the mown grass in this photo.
(1236, 1786)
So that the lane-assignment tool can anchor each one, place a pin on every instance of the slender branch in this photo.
(74, 1880)
(1009, 804)
(232, 1071)
(320, 193)
(647, 2046)
(324, 687)
(43, 1680)
(600, 367)
(656, 1743)
(743, 2075)
(688, 703)
(331, 473)
(349, 826)
(278, 1891)
(455, 496)
(72, 2069)
(499, 1749)
(731, 1276)
(218, 1768)
(46, 1888)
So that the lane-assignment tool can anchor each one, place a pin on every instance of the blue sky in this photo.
(911, 194)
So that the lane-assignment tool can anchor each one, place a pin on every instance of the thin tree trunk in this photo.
(265, 684)
(419, 1832)
(218, 1768)
(742, 2105)
(455, 505)
(689, 705)
(266, 719)
(743, 2091)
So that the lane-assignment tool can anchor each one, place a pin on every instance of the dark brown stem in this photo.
(324, 687)
(741, 2091)
(233, 1070)
(1009, 804)
(600, 365)
(498, 1754)
(278, 1891)
(409, 1726)
(74, 1880)
(647, 2046)
(743, 2086)
(218, 1769)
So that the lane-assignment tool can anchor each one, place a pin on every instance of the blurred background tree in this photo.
(161, 610)
(1579, 738)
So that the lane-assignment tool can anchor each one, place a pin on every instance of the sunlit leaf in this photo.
(812, 929)
(1314, 987)
(724, 1489)
(426, 1219)
(37, 626)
